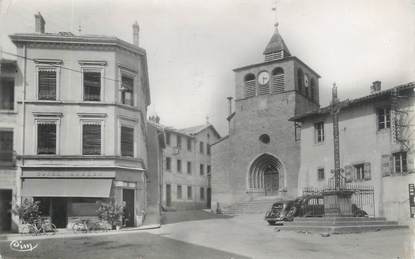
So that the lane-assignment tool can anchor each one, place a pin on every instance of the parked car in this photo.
(304, 206)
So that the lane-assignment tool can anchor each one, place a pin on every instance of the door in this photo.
(168, 195)
(5, 210)
(209, 197)
(271, 182)
(128, 198)
(59, 212)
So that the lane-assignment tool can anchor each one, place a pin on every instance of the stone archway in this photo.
(264, 175)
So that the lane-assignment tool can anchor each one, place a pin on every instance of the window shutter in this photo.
(366, 171)
(387, 164)
(348, 173)
(47, 85)
(91, 140)
(410, 161)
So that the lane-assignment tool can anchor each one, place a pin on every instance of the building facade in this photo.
(261, 155)
(376, 147)
(8, 139)
(80, 129)
(187, 167)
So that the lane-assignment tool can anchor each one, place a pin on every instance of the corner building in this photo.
(261, 155)
(81, 109)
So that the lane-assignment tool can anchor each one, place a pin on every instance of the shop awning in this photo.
(97, 188)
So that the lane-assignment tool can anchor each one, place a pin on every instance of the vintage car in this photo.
(304, 206)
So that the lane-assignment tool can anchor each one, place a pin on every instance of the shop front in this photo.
(67, 199)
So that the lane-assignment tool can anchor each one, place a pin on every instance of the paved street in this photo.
(199, 234)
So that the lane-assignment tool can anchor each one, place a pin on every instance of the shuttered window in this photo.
(320, 174)
(6, 94)
(46, 138)
(92, 86)
(179, 165)
(189, 167)
(319, 132)
(201, 147)
(278, 80)
(168, 164)
(6, 146)
(168, 138)
(179, 141)
(47, 84)
(387, 165)
(250, 85)
(189, 144)
(127, 141)
(202, 193)
(179, 192)
(91, 139)
(400, 163)
(202, 169)
(127, 90)
(384, 118)
(189, 192)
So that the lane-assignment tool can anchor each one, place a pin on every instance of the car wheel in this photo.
(271, 222)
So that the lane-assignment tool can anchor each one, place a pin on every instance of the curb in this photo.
(15, 236)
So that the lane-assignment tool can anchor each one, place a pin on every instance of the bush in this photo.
(28, 211)
(110, 212)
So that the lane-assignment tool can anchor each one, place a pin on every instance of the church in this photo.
(260, 158)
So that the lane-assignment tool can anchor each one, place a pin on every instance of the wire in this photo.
(63, 67)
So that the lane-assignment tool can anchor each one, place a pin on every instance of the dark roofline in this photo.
(278, 61)
(350, 103)
(207, 126)
(220, 140)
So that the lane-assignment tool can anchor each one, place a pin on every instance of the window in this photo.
(47, 84)
(92, 85)
(297, 131)
(384, 119)
(319, 132)
(300, 80)
(179, 192)
(208, 169)
(202, 169)
(127, 141)
(46, 138)
(189, 167)
(265, 138)
(277, 80)
(250, 85)
(202, 193)
(312, 89)
(6, 146)
(359, 172)
(168, 138)
(179, 165)
(189, 192)
(201, 149)
(400, 162)
(168, 163)
(6, 94)
(91, 139)
(320, 174)
(179, 141)
(189, 144)
(127, 90)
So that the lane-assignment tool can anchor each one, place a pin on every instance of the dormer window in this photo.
(250, 85)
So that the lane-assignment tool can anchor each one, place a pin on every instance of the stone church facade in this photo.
(261, 155)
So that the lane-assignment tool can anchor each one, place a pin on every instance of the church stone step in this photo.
(339, 229)
(345, 223)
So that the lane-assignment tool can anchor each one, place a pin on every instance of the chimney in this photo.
(375, 87)
(136, 31)
(39, 23)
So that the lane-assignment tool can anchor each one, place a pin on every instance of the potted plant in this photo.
(28, 212)
(112, 213)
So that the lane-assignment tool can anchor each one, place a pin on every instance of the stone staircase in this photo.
(340, 225)
(258, 206)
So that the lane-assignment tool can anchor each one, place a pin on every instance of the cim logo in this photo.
(21, 246)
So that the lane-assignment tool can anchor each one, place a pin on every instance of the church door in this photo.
(271, 183)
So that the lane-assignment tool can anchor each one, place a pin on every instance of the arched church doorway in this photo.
(264, 175)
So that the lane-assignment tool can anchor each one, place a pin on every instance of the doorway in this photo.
(59, 213)
(5, 210)
(168, 195)
(271, 182)
(128, 198)
(209, 198)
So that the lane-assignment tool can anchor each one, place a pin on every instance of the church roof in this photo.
(276, 43)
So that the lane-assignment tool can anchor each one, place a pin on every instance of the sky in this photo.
(193, 45)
